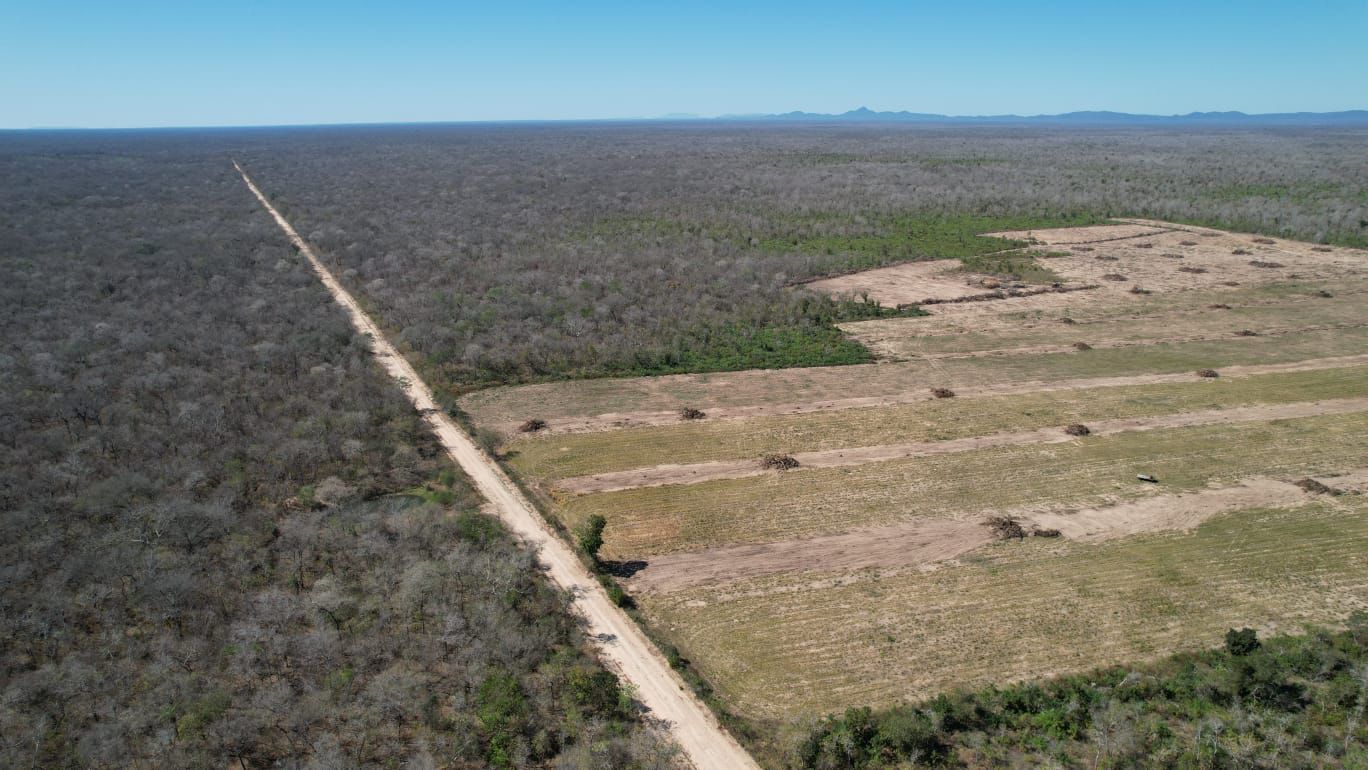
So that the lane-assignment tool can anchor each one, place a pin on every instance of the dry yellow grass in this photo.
(504, 408)
(786, 646)
(546, 458)
(1092, 471)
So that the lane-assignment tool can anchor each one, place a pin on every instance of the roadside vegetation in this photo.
(1291, 701)
(227, 539)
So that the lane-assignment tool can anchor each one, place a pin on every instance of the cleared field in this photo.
(1008, 316)
(547, 458)
(788, 647)
(613, 401)
(866, 575)
(903, 338)
(1049, 477)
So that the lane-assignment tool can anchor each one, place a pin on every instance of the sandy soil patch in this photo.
(901, 545)
(908, 283)
(698, 473)
(899, 347)
(1065, 236)
(1156, 257)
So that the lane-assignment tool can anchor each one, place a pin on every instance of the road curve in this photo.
(618, 639)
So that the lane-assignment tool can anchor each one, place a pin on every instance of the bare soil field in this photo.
(903, 339)
(1155, 257)
(908, 283)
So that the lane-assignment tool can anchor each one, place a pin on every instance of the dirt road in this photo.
(621, 644)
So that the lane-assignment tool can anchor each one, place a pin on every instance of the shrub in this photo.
(1242, 642)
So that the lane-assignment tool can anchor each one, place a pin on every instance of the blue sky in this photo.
(132, 63)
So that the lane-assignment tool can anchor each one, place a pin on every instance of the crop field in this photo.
(865, 573)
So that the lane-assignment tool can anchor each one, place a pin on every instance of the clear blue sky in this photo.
(245, 62)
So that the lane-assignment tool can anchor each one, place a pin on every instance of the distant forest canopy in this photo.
(227, 539)
(524, 253)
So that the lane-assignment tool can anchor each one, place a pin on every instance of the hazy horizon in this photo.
(155, 64)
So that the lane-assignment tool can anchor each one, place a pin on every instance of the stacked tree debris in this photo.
(1317, 488)
(1005, 528)
(778, 462)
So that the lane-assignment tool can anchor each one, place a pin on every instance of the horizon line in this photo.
(770, 117)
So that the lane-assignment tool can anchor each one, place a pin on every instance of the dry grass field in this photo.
(867, 575)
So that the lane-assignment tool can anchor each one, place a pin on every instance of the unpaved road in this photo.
(697, 473)
(619, 640)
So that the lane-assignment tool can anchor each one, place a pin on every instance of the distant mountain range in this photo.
(1093, 118)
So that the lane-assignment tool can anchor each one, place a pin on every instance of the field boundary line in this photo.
(619, 641)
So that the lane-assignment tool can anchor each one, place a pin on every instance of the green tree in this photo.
(590, 534)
